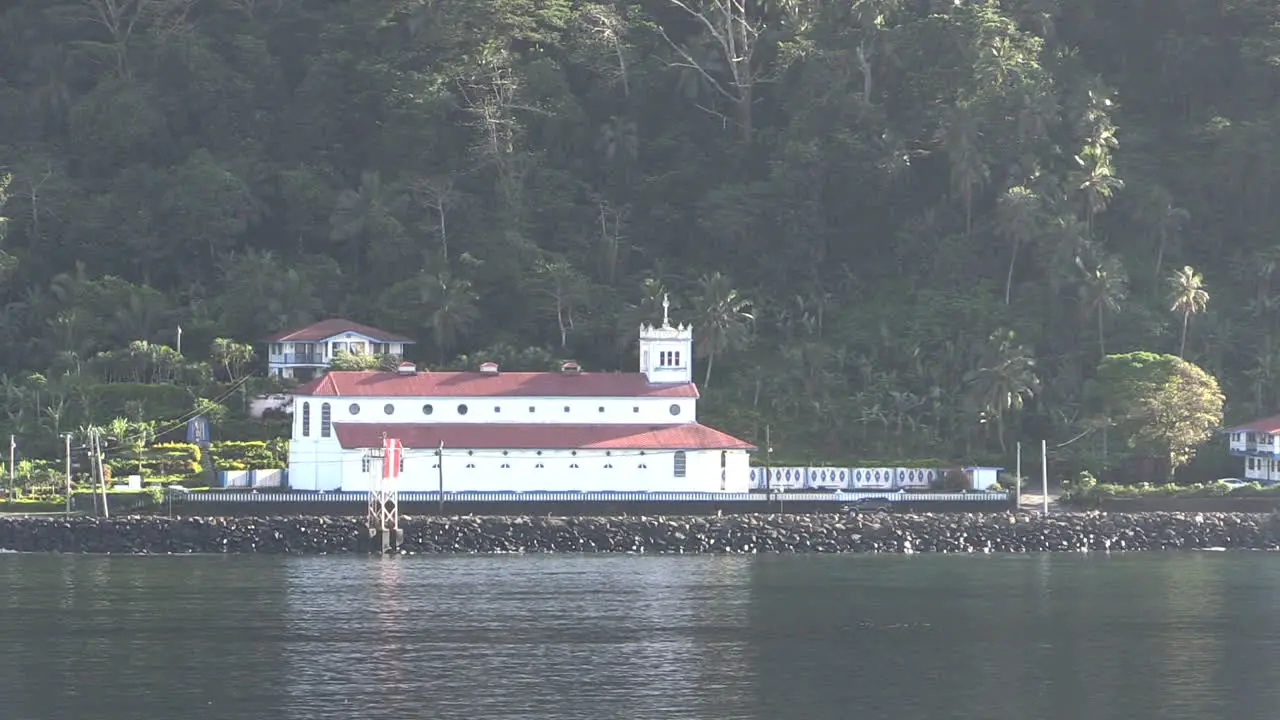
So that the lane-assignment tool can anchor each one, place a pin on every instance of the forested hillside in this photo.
(901, 228)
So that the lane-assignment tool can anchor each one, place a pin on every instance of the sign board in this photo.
(198, 430)
(391, 452)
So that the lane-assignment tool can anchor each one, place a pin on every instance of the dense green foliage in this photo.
(250, 455)
(1091, 495)
(1157, 405)
(900, 227)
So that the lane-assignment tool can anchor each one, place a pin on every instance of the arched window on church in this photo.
(326, 419)
(679, 463)
(306, 419)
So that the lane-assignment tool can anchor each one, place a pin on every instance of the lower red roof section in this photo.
(551, 436)
(1269, 425)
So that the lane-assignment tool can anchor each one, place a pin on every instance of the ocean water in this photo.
(1168, 636)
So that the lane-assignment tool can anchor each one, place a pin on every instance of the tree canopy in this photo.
(1160, 404)
(898, 227)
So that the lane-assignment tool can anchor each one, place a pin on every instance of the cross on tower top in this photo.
(666, 309)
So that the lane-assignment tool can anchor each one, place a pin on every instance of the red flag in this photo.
(391, 450)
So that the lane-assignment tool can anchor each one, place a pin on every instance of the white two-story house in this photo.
(300, 353)
(491, 430)
(1258, 443)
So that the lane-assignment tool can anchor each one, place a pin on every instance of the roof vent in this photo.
(571, 368)
(406, 368)
(489, 368)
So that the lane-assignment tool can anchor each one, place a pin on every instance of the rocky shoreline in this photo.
(892, 533)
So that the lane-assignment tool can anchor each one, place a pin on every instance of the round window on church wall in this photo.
(389, 409)
(462, 409)
(427, 409)
(354, 409)
(675, 409)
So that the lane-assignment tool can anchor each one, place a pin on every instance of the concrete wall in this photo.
(323, 465)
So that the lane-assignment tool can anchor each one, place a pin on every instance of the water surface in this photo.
(1169, 636)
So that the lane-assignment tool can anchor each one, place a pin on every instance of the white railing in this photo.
(589, 497)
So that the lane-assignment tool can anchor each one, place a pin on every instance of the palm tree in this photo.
(1005, 379)
(452, 308)
(1104, 290)
(652, 292)
(1017, 215)
(960, 136)
(1096, 181)
(1188, 297)
(1165, 221)
(721, 319)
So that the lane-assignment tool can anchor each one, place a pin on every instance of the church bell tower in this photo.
(666, 353)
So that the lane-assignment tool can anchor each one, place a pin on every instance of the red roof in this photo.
(1265, 425)
(377, 383)
(548, 436)
(326, 329)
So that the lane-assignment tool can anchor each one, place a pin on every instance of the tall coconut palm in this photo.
(960, 137)
(721, 318)
(1004, 380)
(1188, 298)
(1105, 288)
(1095, 180)
(1017, 216)
(452, 306)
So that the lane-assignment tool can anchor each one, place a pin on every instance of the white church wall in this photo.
(527, 471)
(316, 464)
(521, 410)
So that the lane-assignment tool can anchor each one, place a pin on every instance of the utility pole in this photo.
(67, 438)
(768, 463)
(102, 476)
(1017, 472)
(1044, 473)
(13, 477)
(440, 476)
(179, 348)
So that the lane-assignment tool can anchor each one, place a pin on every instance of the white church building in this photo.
(490, 430)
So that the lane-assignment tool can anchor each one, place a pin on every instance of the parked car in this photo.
(1233, 482)
(867, 505)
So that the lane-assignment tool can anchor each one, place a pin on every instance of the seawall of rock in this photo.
(892, 533)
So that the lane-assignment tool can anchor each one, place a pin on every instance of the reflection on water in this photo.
(506, 637)
(1171, 636)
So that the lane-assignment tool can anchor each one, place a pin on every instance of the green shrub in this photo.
(163, 460)
(247, 455)
(1085, 494)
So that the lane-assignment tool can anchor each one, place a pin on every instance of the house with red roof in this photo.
(491, 430)
(303, 352)
(1258, 442)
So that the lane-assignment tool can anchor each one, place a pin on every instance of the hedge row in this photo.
(1088, 494)
(249, 455)
(183, 460)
